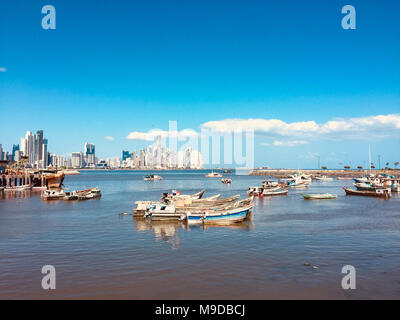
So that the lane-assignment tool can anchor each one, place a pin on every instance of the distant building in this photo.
(90, 154)
(125, 155)
(77, 159)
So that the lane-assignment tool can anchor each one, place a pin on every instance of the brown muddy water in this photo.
(99, 254)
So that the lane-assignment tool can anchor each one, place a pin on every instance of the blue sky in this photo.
(115, 67)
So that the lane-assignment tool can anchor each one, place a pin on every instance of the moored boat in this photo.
(255, 191)
(276, 192)
(18, 188)
(213, 174)
(319, 196)
(323, 178)
(222, 217)
(152, 177)
(380, 193)
(53, 194)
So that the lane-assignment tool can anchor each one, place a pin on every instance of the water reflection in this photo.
(163, 230)
(168, 230)
(7, 195)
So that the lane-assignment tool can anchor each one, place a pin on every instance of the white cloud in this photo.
(109, 138)
(151, 135)
(291, 143)
(2, 69)
(371, 128)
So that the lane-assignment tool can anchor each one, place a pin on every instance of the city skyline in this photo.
(305, 90)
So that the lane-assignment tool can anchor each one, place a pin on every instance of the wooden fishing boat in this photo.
(270, 184)
(87, 194)
(182, 206)
(53, 194)
(226, 180)
(212, 198)
(176, 194)
(55, 181)
(255, 191)
(380, 193)
(319, 196)
(277, 192)
(152, 177)
(301, 185)
(222, 217)
(323, 178)
(162, 211)
(213, 174)
(17, 188)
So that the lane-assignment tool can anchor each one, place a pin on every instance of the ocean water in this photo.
(99, 254)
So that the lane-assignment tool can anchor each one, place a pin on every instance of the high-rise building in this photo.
(1, 152)
(39, 150)
(45, 161)
(125, 155)
(90, 154)
(14, 149)
(77, 159)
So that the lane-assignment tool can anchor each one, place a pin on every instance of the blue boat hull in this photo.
(226, 217)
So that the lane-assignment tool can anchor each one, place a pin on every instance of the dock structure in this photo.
(15, 180)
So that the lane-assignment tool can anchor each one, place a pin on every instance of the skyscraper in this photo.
(14, 149)
(77, 159)
(39, 139)
(90, 154)
(125, 155)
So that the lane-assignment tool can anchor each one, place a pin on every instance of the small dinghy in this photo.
(319, 196)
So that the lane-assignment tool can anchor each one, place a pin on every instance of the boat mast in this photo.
(369, 151)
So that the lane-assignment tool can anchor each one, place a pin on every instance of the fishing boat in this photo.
(226, 180)
(182, 206)
(380, 193)
(53, 194)
(87, 194)
(176, 193)
(1, 189)
(55, 181)
(152, 177)
(270, 184)
(255, 191)
(323, 178)
(70, 195)
(277, 192)
(222, 217)
(38, 189)
(396, 189)
(298, 186)
(319, 196)
(18, 188)
(227, 171)
(361, 179)
(213, 174)
(344, 178)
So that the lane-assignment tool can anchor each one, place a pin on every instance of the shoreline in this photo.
(280, 173)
